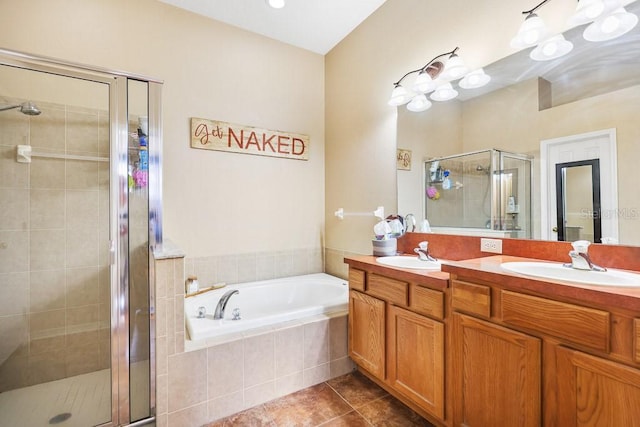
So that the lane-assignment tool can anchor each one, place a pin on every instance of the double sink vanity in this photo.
(496, 341)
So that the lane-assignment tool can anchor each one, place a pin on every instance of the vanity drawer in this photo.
(388, 289)
(471, 298)
(581, 325)
(426, 301)
(636, 340)
(356, 279)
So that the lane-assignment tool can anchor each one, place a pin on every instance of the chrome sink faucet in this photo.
(580, 257)
(423, 252)
(222, 304)
(409, 223)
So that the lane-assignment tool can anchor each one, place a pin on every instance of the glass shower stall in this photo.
(79, 211)
(484, 192)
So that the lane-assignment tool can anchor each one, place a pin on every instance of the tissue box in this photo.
(387, 247)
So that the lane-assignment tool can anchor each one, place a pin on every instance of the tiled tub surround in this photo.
(54, 264)
(200, 382)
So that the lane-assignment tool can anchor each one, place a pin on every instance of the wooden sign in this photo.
(223, 136)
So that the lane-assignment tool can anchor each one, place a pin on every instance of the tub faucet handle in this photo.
(202, 312)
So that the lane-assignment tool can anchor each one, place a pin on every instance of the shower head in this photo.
(28, 108)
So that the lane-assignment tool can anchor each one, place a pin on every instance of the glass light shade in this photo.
(419, 103)
(590, 10)
(424, 83)
(454, 68)
(475, 79)
(552, 48)
(399, 96)
(276, 4)
(531, 32)
(609, 27)
(444, 92)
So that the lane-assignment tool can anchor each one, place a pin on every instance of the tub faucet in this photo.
(580, 259)
(222, 304)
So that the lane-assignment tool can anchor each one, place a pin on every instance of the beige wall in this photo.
(214, 203)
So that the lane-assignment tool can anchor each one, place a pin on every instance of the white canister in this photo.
(191, 286)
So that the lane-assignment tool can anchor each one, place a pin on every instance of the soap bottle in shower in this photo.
(446, 182)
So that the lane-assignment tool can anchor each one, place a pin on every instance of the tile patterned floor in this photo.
(351, 400)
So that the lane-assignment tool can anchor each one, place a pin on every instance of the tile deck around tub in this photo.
(350, 400)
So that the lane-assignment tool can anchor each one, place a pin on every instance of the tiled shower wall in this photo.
(54, 273)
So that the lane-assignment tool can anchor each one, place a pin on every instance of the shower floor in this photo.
(86, 397)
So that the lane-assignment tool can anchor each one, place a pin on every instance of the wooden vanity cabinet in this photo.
(396, 334)
(416, 358)
(367, 342)
(596, 392)
(497, 375)
(524, 359)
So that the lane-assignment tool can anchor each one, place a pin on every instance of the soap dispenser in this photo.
(446, 182)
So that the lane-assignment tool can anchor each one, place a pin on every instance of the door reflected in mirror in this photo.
(578, 201)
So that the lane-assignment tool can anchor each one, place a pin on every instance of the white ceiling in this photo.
(315, 25)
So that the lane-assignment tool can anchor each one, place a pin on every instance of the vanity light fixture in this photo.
(532, 31)
(444, 92)
(276, 4)
(607, 17)
(551, 48)
(610, 26)
(436, 76)
(419, 103)
(475, 79)
(590, 10)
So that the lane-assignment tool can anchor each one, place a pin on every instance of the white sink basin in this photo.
(409, 262)
(556, 271)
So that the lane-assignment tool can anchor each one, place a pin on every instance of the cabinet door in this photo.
(416, 358)
(497, 375)
(596, 392)
(366, 332)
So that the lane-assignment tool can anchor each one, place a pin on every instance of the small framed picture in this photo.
(403, 159)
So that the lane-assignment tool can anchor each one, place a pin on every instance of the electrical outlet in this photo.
(491, 245)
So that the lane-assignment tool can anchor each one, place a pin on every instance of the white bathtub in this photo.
(266, 302)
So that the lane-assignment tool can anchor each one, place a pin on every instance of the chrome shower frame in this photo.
(117, 83)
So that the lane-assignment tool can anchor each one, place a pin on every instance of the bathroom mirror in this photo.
(593, 88)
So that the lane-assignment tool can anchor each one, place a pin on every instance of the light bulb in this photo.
(532, 30)
(424, 83)
(399, 96)
(419, 103)
(475, 79)
(276, 4)
(552, 48)
(610, 24)
(454, 68)
(609, 27)
(444, 92)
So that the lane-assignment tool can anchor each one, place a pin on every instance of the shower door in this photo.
(69, 313)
